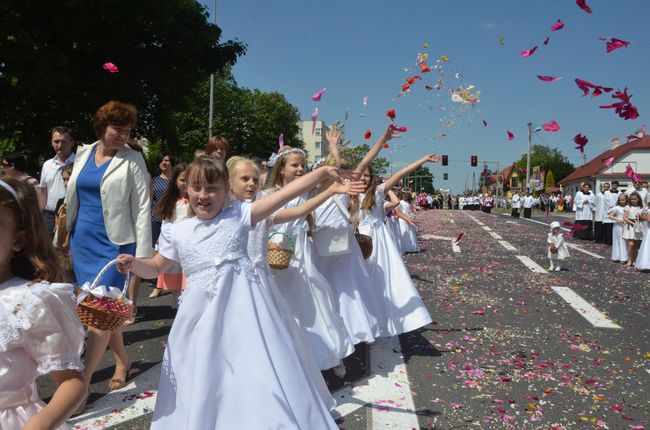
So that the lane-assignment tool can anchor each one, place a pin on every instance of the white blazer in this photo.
(125, 198)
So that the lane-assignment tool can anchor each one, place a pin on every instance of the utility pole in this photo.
(210, 125)
(530, 138)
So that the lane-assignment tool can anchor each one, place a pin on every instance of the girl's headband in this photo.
(9, 188)
(275, 157)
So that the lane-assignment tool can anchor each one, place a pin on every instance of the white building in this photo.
(635, 153)
(315, 143)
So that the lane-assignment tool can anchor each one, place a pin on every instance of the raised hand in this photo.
(333, 136)
(391, 134)
(352, 188)
(431, 158)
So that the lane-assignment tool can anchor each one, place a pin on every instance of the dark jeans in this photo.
(50, 218)
(528, 212)
(514, 213)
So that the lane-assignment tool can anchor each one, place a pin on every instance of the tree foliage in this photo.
(422, 180)
(549, 159)
(52, 52)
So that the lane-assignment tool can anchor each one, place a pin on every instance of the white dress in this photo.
(40, 332)
(619, 245)
(258, 243)
(643, 257)
(557, 240)
(405, 310)
(358, 301)
(310, 296)
(633, 232)
(408, 232)
(228, 346)
(392, 225)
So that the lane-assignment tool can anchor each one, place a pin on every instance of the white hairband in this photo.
(9, 188)
(275, 157)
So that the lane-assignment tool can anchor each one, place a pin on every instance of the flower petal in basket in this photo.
(101, 291)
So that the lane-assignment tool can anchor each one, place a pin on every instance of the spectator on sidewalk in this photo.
(611, 198)
(601, 214)
(14, 165)
(51, 181)
(516, 205)
(528, 203)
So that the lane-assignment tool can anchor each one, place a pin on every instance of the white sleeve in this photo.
(166, 246)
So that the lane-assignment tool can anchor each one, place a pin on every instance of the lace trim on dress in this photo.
(17, 313)
(65, 361)
(208, 278)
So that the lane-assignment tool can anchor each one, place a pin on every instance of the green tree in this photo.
(52, 54)
(549, 182)
(356, 154)
(422, 180)
(549, 159)
(251, 120)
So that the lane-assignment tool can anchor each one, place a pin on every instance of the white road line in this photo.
(387, 392)
(534, 267)
(495, 235)
(486, 228)
(136, 399)
(433, 236)
(590, 313)
(542, 223)
(579, 248)
(507, 245)
(647, 370)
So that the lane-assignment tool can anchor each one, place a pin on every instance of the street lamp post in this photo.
(530, 139)
(210, 125)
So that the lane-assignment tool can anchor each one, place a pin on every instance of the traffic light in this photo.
(445, 160)
(474, 161)
(445, 176)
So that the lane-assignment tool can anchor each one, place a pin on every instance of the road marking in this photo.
(134, 400)
(452, 221)
(486, 228)
(455, 247)
(588, 312)
(433, 236)
(507, 245)
(534, 267)
(579, 248)
(387, 392)
(495, 235)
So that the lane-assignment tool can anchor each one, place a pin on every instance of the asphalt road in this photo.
(505, 349)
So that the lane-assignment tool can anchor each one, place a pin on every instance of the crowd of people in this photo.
(247, 327)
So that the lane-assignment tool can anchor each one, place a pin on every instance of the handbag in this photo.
(332, 241)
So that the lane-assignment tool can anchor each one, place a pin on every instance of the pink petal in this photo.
(615, 43)
(281, 140)
(484, 123)
(582, 4)
(548, 78)
(510, 135)
(529, 52)
(546, 41)
(110, 67)
(317, 95)
(551, 126)
(607, 162)
(399, 128)
(559, 25)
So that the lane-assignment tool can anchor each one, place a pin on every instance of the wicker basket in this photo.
(365, 243)
(279, 258)
(104, 313)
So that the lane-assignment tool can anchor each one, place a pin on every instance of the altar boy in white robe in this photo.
(585, 205)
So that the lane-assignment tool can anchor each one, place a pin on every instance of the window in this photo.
(317, 144)
(318, 132)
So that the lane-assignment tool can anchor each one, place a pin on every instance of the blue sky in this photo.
(358, 48)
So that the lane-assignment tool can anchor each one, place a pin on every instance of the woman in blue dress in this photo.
(108, 214)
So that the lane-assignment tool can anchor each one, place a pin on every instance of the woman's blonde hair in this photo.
(236, 162)
(37, 260)
(368, 202)
(275, 177)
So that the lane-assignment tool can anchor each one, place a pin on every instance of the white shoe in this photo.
(340, 370)
(550, 268)
(557, 269)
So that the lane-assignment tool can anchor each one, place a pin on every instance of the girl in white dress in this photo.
(407, 226)
(405, 310)
(643, 258)
(305, 289)
(619, 246)
(40, 332)
(557, 249)
(227, 349)
(633, 229)
(244, 183)
(392, 219)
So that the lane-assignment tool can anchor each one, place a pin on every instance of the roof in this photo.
(505, 173)
(594, 166)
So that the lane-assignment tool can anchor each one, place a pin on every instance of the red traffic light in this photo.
(474, 161)
(445, 160)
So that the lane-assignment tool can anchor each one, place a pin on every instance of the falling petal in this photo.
(347, 112)
(548, 78)
(390, 113)
(511, 136)
(614, 43)
(559, 25)
(281, 140)
(110, 67)
(501, 42)
(546, 41)
(551, 126)
(425, 45)
(582, 4)
(399, 128)
(484, 123)
(367, 135)
(314, 117)
(607, 162)
(317, 95)
(528, 52)
(581, 141)
(365, 101)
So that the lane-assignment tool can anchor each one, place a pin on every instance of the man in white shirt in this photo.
(528, 205)
(639, 189)
(585, 204)
(51, 181)
(601, 214)
(516, 205)
(611, 199)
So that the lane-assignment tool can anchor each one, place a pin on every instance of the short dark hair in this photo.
(61, 129)
(614, 182)
(17, 159)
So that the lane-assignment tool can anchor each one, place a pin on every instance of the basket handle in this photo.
(103, 271)
(291, 241)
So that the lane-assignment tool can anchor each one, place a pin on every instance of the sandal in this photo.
(155, 293)
(131, 320)
(117, 383)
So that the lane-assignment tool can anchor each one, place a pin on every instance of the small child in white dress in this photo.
(227, 348)
(557, 249)
(40, 332)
